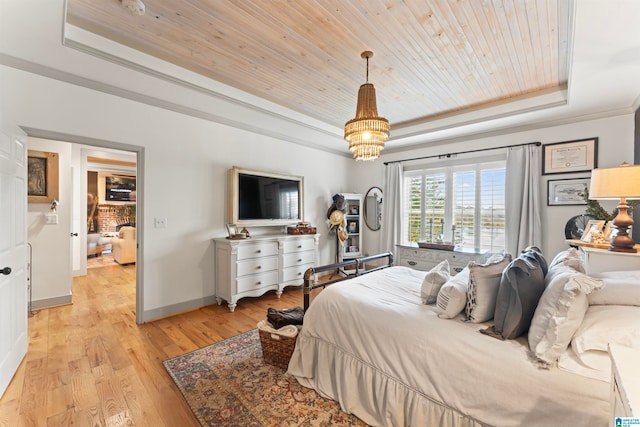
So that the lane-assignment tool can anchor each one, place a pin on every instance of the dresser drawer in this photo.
(417, 264)
(295, 273)
(257, 250)
(257, 265)
(298, 245)
(299, 258)
(257, 281)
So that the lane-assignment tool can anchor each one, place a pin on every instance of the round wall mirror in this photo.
(373, 208)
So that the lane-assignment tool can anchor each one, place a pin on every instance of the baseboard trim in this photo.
(51, 302)
(170, 310)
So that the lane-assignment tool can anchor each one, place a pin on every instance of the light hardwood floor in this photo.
(90, 364)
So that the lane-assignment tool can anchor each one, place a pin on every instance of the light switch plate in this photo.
(160, 222)
(51, 218)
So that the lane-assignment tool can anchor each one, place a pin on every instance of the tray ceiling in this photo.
(433, 59)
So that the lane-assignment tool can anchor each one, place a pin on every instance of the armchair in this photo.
(124, 246)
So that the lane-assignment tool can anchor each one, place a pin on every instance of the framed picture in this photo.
(562, 192)
(42, 176)
(570, 156)
(593, 226)
(352, 227)
(232, 230)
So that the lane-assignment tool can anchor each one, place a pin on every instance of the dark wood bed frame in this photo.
(359, 264)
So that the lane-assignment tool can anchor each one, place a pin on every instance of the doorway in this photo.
(111, 207)
(79, 184)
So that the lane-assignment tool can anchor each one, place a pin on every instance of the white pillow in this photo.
(604, 325)
(560, 311)
(571, 257)
(452, 297)
(484, 283)
(433, 281)
(616, 292)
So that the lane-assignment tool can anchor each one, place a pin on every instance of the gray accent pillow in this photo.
(521, 287)
(484, 282)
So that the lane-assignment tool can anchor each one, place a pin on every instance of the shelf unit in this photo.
(353, 245)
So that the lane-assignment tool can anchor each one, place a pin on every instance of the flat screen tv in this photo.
(264, 199)
(120, 188)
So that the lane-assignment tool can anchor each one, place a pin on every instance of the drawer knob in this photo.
(299, 246)
(299, 273)
(412, 263)
(259, 283)
(299, 259)
(259, 267)
(259, 251)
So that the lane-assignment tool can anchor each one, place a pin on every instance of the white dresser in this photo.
(251, 267)
(426, 259)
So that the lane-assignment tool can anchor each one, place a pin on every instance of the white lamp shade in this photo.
(615, 183)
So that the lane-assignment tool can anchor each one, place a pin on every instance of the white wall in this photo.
(51, 256)
(615, 145)
(185, 176)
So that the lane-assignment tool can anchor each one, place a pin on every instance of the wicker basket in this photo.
(276, 349)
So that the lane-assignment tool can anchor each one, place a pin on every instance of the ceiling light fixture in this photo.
(367, 133)
(134, 6)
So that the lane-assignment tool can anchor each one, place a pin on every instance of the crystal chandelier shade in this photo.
(367, 132)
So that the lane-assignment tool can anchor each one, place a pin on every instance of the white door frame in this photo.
(140, 151)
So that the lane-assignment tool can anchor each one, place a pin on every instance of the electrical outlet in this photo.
(160, 222)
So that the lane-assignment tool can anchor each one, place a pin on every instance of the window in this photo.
(463, 203)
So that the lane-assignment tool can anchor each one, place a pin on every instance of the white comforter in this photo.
(370, 344)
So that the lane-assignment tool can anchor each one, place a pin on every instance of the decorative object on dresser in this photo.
(619, 183)
(425, 259)
(251, 267)
(302, 228)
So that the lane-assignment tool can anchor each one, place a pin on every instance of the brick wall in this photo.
(110, 216)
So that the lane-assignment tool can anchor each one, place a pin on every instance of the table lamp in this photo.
(622, 182)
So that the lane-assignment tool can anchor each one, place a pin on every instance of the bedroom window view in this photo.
(464, 204)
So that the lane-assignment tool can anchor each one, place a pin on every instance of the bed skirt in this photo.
(378, 403)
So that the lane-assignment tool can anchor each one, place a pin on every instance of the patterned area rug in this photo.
(228, 384)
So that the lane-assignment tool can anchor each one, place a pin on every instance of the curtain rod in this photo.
(536, 143)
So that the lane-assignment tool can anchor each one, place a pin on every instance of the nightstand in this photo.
(625, 382)
(599, 260)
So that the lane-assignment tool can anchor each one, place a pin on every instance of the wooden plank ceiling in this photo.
(432, 57)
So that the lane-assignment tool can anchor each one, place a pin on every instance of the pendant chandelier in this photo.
(367, 133)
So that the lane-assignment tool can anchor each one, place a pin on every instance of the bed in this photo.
(370, 344)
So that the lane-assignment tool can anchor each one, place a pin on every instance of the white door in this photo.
(13, 256)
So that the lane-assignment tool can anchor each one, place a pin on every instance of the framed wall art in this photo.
(570, 156)
(42, 176)
(562, 192)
